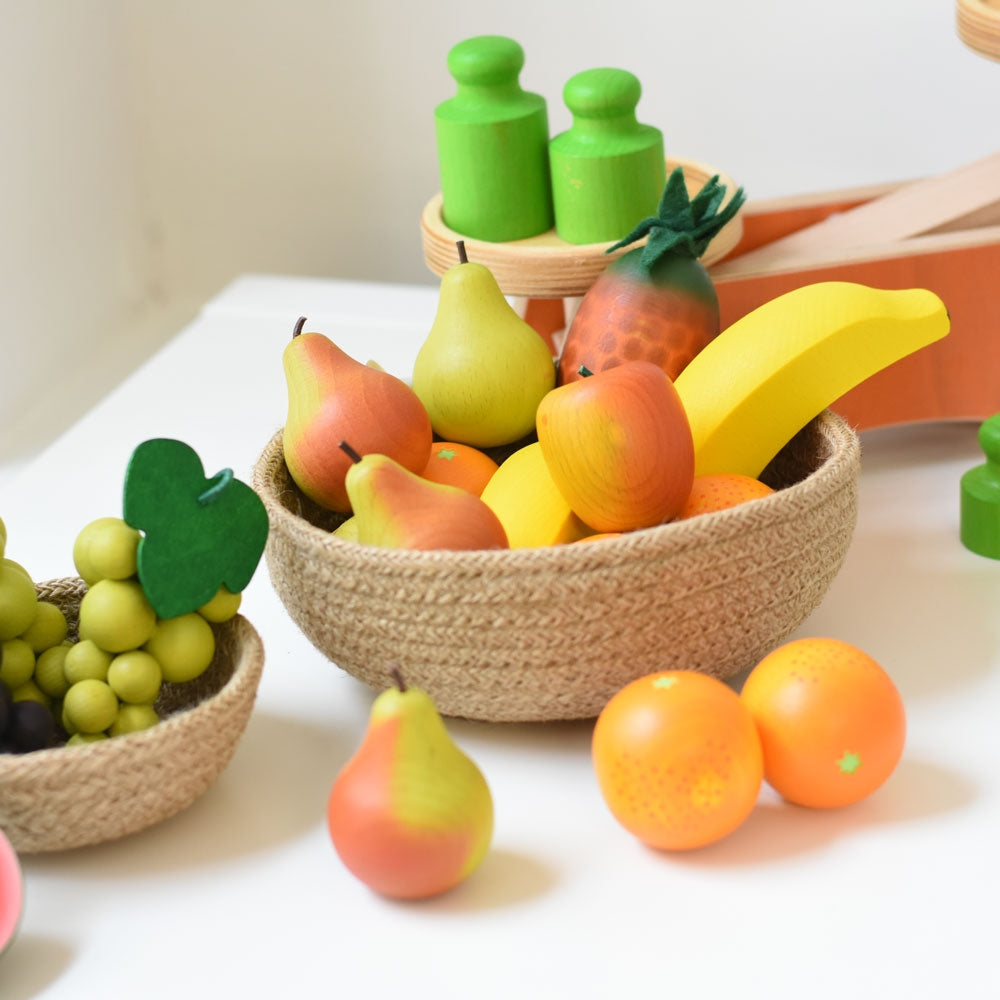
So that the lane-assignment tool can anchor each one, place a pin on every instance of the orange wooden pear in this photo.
(398, 509)
(331, 396)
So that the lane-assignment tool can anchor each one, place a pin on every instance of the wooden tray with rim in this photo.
(546, 267)
(978, 24)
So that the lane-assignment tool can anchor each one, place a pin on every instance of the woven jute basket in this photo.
(67, 797)
(552, 633)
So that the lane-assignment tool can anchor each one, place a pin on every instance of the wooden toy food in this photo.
(456, 464)
(11, 893)
(532, 510)
(331, 398)
(115, 787)
(619, 447)
(656, 302)
(410, 814)
(831, 722)
(721, 490)
(482, 370)
(398, 509)
(146, 614)
(749, 390)
(677, 759)
(535, 634)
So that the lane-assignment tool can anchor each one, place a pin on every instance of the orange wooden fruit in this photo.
(720, 490)
(678, 759)
(455, 464)
(618, 446)
(831, 721)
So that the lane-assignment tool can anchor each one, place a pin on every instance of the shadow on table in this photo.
(777, 830)
(274, 790)
(33, 963)
(926, 611)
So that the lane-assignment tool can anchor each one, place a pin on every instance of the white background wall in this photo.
(152, 150)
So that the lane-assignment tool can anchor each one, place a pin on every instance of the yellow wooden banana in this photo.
(768, 374)
(528, 503)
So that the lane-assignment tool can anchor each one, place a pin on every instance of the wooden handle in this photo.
(959, 200)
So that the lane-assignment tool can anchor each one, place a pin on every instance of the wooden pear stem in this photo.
(350, 452)
(463, 256)
(299, 324)
(397, 675)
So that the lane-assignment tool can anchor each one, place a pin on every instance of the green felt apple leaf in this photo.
(198, 533)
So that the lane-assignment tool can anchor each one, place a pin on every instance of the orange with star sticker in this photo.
(678, 759)
(831, 721)
(461, 465)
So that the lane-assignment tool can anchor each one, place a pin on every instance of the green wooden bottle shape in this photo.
(492, 141)
(608, 170)
(980, 496)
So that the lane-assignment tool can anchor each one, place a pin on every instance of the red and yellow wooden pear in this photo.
(398, 509)
(331, 396)
(410, 814)
(619, 447)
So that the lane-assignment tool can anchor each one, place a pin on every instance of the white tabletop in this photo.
(243, 895)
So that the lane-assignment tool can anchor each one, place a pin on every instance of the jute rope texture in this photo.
(552, 633)
(66, 797)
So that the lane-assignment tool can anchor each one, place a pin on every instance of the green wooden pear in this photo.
(482, 371)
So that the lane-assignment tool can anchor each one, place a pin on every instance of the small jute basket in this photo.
(66, 797)
(552, 633)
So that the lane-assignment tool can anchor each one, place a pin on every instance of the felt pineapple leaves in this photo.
(683, 225)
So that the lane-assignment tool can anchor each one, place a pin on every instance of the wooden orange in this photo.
(830, 719)
(455, 464)
(678, 759)
(719, 490)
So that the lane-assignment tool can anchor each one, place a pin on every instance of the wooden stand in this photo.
(978, 23)
(547, 267)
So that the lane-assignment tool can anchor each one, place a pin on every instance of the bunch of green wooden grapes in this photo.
(106, 681)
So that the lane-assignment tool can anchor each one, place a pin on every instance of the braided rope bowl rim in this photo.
(67, 797)
(336, 590)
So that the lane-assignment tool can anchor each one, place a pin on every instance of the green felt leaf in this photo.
(199, 533)
(683, 225)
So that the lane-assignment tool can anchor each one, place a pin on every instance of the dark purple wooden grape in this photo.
(31, 726)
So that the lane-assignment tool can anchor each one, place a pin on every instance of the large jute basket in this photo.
(552, 633)
(67, 797)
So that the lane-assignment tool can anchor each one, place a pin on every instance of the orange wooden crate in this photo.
(955, 378)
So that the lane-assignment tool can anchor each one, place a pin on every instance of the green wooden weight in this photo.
(492, 142)
(980, 495)
(608, 169)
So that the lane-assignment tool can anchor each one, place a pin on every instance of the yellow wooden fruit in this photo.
(768, 374)
(528, 503)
